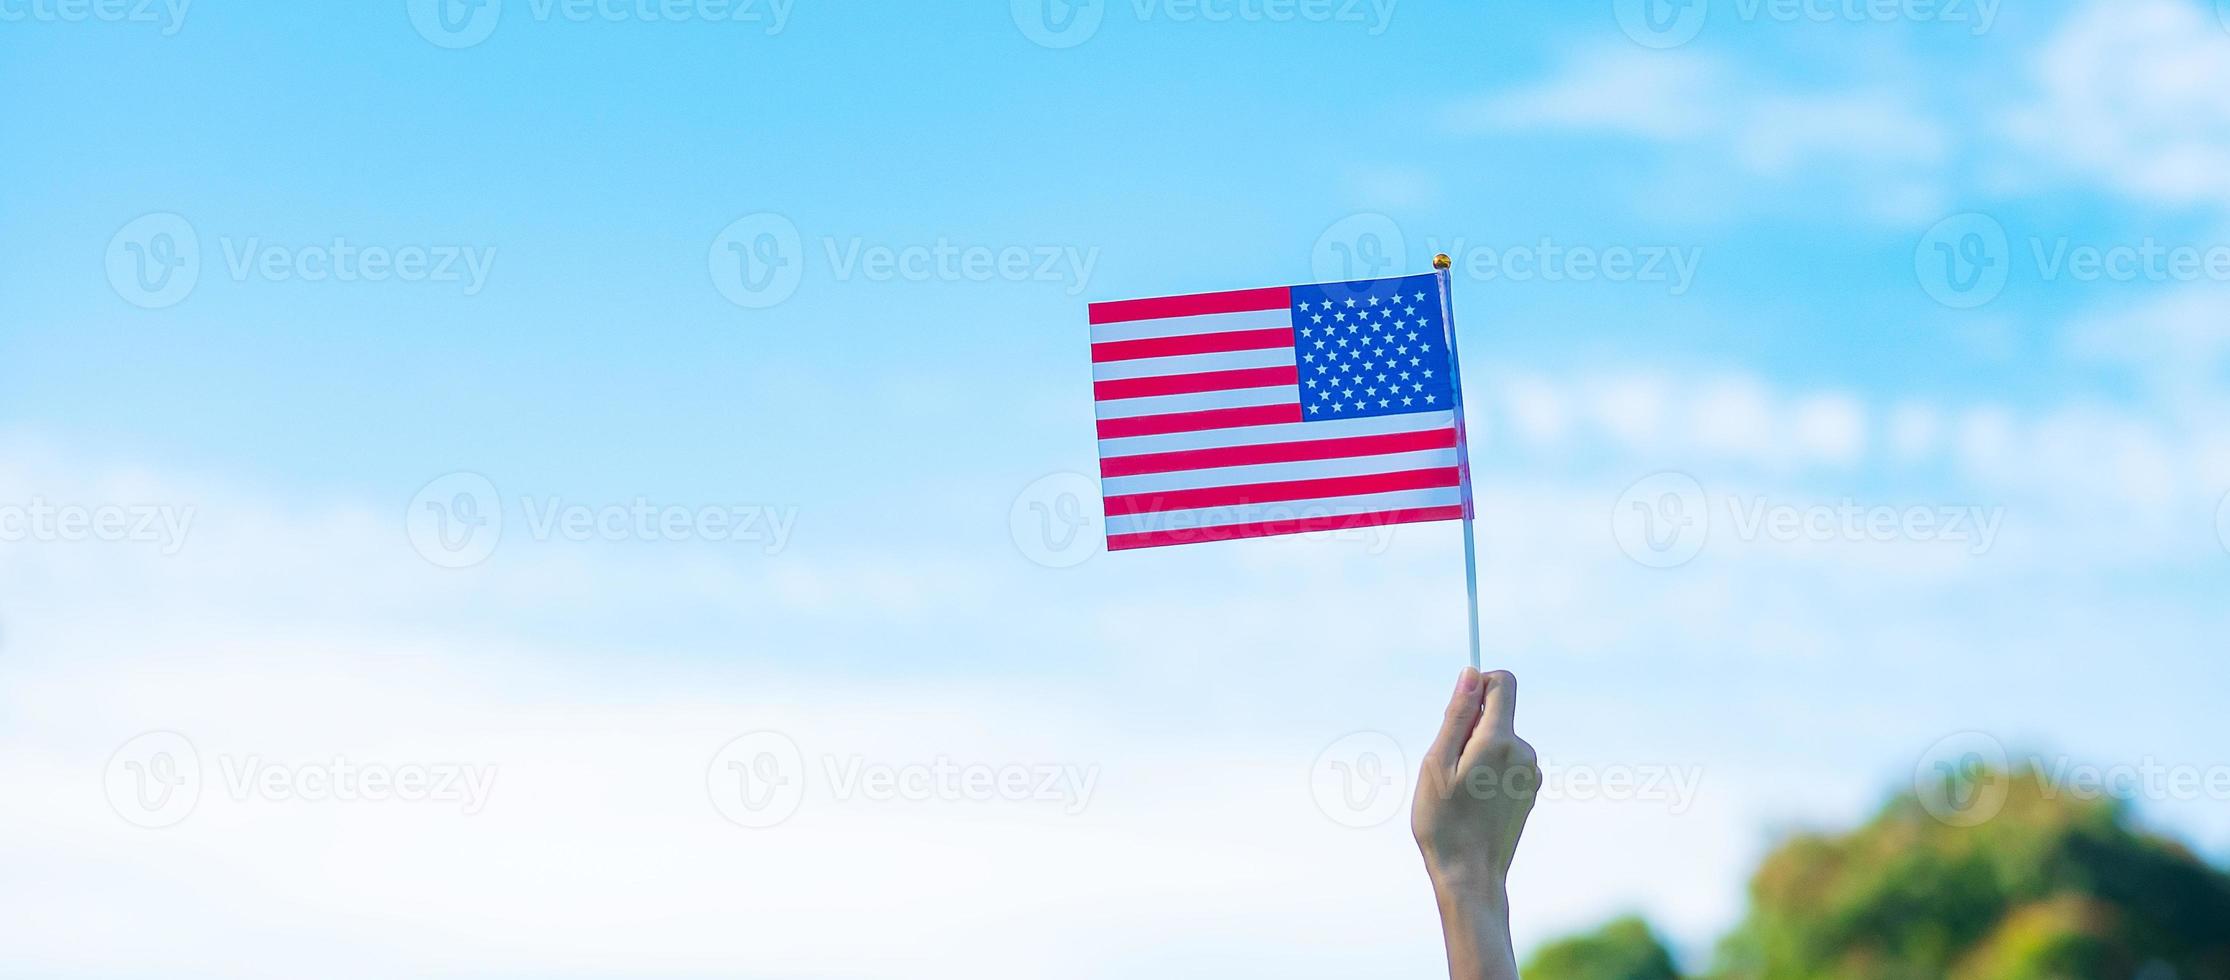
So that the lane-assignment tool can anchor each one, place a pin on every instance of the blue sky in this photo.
(1789, 342)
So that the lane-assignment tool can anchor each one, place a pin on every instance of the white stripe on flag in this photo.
(1368, 503)
(1307, 469)
(1255, 435)
(1186, 326)
(1199, 401)
(1155, 367)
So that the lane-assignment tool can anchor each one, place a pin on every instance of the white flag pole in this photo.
(1441, 264)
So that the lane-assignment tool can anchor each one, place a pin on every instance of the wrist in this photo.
(1469, 883)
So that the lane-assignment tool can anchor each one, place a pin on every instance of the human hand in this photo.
(1478, 785)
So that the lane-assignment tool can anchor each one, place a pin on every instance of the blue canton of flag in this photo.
(1372, 347)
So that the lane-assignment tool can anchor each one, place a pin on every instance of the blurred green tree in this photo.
(1624, 950)
(1991, 875)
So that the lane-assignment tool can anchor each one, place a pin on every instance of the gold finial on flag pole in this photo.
(1442, 262)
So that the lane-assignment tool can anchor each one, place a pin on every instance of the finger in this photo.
(1502, 702)
(1462, 717)
(1499, 714)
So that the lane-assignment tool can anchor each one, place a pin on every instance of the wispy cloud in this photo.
(2130, 94)
(1877, 138)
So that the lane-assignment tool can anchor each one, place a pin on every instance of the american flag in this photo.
(1276, 411)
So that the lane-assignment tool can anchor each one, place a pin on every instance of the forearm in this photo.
(1475, 920)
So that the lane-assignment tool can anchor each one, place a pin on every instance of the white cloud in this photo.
(296, 632)
(1651, 413)
(1395, 187)
(1830, 427)
(1876, 137)
(1914, 431)
(1665, 97)
(1536, 410)
(2130, 93)
(2179, 341)
(1733, 415)
(1630, 407)
(1779, 135)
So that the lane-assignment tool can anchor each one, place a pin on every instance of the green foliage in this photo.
(1623, 950)
(2049, 887)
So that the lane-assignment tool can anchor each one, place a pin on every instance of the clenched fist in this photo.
(1478, 784)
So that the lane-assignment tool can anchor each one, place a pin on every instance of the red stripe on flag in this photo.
(1298, 525)
(1199, 343)
(1214, 418)
(1263, 493)
(1197, 304)
(1187, 384)
(1278, 452)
